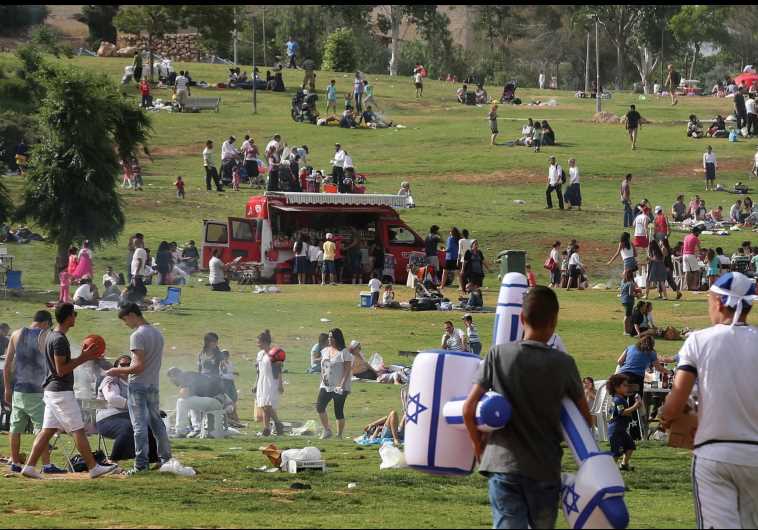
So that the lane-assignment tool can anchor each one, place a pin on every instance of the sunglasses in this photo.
(124, 365)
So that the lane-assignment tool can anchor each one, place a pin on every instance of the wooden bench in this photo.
(198, 103)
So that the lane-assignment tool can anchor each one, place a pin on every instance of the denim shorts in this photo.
(518, 501)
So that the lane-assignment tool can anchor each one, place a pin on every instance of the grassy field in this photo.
(457, 179)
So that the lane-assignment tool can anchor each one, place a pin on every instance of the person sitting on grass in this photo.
(474, 300)
(361, 368)
(86, 294)
(718, 128)
(348, 119)
(387, 427)
(694, 127)
(480, 95)
(527, 131)
(315, 357)
(535, 378)
(461, 94)
(373, 120)
(622, 444)
(548, 134)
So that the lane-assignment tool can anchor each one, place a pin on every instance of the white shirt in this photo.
(576, 260)
(555, 255)
(216, 268)
(139, 255)
(464, 245)
(554, 174)
(339, 159)
(272, 148)
(85, 292)
(709, 158)
(527, 130)
(303, 251)
(627, 253)
(314, 253)
(375, 285)
(228, 151)
(113, 278)
(656, 88)
(755, 159)
(640, 225)
(208, 157)
(417, 77)
(455, 341)
(348, 162)
(750, 105)
(181, 83)
(734, 213)
(726, 360)
(574, 175)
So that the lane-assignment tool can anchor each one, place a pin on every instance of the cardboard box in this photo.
(682, 432)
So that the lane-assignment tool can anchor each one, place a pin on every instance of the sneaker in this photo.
(52, 469)
(134, 472)
(30, 472)
(326, 434)
(99, 471)
(194, 434)
(15, 468)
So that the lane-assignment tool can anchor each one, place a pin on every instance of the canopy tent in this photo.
(746, 80)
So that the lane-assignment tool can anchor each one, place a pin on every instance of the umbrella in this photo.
(746, 79)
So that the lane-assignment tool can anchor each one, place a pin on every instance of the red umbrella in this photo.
(746, 79)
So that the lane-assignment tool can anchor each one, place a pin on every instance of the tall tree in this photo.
(152, 20)
(99, 20)
(618, 21)
(391, 17)
(71, 186)
(214, 23)
(742, 37)
(695, 25)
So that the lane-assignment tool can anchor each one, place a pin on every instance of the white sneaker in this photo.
(30, 472)
(99, 471)
(326, 434)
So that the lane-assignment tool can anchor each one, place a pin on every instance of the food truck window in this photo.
(399, 235)
(216, 233)
(243, 231)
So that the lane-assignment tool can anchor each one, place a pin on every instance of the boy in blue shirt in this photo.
(622, 445)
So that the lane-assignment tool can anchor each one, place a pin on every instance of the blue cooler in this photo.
(365, 299)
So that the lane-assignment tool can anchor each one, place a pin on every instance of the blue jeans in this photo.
(476, 348)
(628, 215)
(518, 501)
(144, 411)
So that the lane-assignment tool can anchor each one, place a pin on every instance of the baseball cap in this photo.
(735, 289)
(467, 316)
(329, 235)
(354, 344)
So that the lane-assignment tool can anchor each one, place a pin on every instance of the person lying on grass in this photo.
(386, 427)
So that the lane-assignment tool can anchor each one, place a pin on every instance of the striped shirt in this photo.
(473, 334)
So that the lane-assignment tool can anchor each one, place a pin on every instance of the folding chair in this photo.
(173, 296)
(600, 410)
(12, 281)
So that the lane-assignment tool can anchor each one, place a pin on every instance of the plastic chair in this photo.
(173, 296)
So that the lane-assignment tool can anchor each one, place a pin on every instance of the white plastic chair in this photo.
(600, 410)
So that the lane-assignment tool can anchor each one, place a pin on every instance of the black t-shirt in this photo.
(431, 244)
(739, 102)
(637, 320)
(57, 345)
(633, 119)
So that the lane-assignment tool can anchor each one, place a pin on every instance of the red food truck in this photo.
(265, 237)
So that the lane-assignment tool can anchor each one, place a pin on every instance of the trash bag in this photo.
(376, 362)
(175, 467)
(392, 457)
(306, 454)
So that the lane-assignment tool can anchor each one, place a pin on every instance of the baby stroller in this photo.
(303, 108)
(509, 93)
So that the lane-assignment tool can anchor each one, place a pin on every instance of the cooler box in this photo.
(512, 261)
(365, 299)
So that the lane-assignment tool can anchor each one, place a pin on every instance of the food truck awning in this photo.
(339, 199)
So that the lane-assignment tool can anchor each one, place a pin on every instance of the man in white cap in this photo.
(330, 254)
(723, 359)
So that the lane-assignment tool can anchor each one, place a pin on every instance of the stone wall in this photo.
(178, 47)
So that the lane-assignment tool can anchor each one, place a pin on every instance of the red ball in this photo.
(97, 342)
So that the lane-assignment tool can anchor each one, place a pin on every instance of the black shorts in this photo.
(419, 85)
(621, 442)
(325, 397)
(451, 265)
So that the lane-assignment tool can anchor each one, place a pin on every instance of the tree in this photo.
(741, 38)
(6, 206)
(215, 24)
(696, 24)
(391, 17)
(618, 21)
(339, 51)
(17, 18)
(153, 20)
(99, 20)
(71, 185)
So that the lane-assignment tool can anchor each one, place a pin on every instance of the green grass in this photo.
(457, 178)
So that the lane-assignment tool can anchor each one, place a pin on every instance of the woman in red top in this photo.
(144, 88)
(661, 225)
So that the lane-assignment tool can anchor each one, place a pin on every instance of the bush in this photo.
(50, 40)
(339, 51)
(16, 18)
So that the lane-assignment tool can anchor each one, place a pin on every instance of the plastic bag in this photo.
(376, 362)
(392, 457)
(308, 427)
(175, 467)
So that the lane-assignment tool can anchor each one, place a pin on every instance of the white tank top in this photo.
(627, 253)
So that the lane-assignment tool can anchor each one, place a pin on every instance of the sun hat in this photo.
(658, 209)
(735, 289)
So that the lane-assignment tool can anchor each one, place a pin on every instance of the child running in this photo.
(622, 445)
(179, 187)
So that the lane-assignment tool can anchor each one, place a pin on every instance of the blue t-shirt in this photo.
(291, 47)
(331, 93)
(626, 293)
(451, 249)
(638, 361)
(618, 423)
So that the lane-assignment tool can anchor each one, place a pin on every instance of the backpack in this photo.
(563, 176)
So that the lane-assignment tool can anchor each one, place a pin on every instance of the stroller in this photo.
(509, 93)
(303, 109)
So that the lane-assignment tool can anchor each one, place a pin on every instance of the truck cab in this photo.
(266, 235)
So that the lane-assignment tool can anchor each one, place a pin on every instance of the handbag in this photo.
(550, 264)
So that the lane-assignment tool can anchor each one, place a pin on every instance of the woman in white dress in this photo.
(269, 386)
(336, 375)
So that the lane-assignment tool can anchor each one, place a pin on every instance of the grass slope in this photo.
(457, 178)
